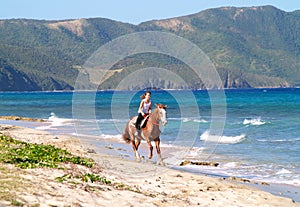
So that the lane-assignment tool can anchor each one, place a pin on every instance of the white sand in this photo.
(134, 184)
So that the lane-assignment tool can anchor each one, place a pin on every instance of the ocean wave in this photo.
(194, 152)
(288, 181)
(283, 171)
(189, 120)
(279, 140)
(200, 120)
(110, 136)
(282, 177)
(112, 120)
(264, 173)
(101, 136)
(254, 122)
(229, 165)
(294, 182)
(56, 122)
(223, 139)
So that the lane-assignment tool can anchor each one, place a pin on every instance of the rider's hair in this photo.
(144, 95)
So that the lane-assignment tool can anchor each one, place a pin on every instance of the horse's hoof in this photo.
(161, 163)
(138, 159)
(149, 157)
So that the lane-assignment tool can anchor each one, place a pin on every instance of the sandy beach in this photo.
(130, 183)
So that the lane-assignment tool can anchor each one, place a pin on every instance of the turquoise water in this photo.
(259, 128)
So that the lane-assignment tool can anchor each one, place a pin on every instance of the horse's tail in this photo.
(125, 135)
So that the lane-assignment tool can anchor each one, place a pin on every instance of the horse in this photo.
(149, 132)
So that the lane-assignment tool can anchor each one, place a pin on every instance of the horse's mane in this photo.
(156, 110)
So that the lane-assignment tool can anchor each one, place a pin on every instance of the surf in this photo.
(223, 139)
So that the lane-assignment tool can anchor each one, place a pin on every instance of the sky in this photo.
(129, 11)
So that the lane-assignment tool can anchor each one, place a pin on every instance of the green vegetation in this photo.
(25, 155)
(250, 47)
(87, 177)
(28, 155)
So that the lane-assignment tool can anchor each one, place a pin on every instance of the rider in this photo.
(144, 109)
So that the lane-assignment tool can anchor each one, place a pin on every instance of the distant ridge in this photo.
(249, 46)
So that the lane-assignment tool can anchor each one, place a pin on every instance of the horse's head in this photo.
(162, 113)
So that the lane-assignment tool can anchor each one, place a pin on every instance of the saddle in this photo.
(143, 122)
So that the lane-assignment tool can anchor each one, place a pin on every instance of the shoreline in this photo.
(158, 186)
(115, 147)
(120, 150)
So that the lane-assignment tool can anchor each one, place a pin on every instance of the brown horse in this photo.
(148, 133)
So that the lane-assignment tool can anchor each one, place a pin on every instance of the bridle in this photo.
(157, 120)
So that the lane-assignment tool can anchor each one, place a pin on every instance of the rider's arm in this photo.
(150, 108)
(141, 107)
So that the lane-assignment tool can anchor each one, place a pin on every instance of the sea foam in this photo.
(55, 121)
(253, 121)
(222, 139)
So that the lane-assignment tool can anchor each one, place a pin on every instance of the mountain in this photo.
(49, 53)
(257, 46)
(250, 47)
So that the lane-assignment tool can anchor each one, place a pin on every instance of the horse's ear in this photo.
(161, 106)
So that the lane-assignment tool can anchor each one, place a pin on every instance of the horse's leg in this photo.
(135, 149)
(137, 143)
(150, 148)
(157, 143)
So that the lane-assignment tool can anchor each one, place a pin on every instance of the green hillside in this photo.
(50, 52)
(250, 47)
(258, 45)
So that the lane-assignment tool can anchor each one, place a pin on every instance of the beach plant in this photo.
(30, 155)
(23, 155)
(87, 177)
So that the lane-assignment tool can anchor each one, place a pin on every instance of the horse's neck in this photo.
(153, 116)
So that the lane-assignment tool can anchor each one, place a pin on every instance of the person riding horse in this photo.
(144, 110)
(149, 132)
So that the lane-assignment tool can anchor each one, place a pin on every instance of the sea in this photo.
(252, 133)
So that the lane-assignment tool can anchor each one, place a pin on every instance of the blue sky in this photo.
(130, 11)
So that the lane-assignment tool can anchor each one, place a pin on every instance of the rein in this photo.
(157, 124)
